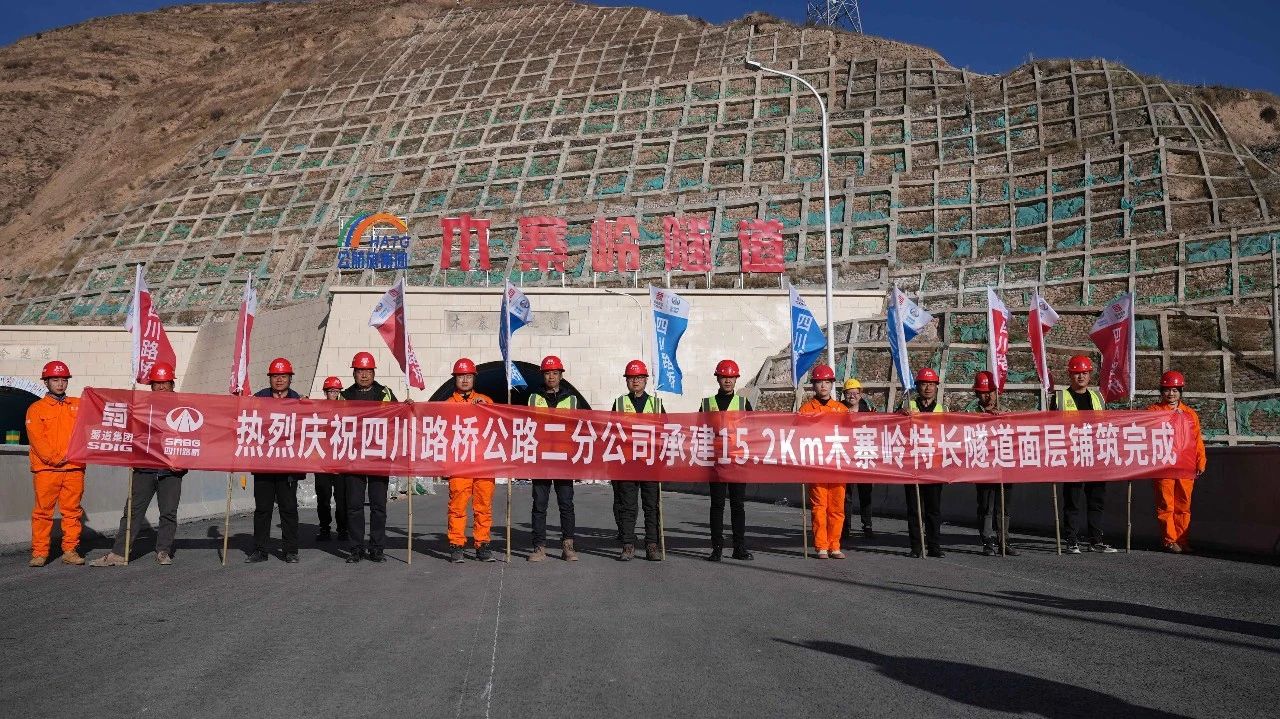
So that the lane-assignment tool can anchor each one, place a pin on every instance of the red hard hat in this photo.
(1080, 363)
(821, 372)
(56, 368)
(984, 382)
(926, 374)
(332, 383)
(161, 372)
(552, 362)
(727, 368)
(363, 360)
(1173, 378)
(279, 365)
(635, 368)
(464, 366)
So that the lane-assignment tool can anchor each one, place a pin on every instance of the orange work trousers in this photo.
(827, 501)
(480, 493)
(63, 490)
(1173, 508)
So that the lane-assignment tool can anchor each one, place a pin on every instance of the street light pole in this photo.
(642, 315)
(826, 195)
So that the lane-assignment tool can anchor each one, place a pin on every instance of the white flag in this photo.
(1039, 320)
(997, 339)
(392, 323)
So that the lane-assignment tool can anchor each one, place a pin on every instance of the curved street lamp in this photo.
(826, 194)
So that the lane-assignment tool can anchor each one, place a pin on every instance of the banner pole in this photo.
(226, 521)
(804, 517)
(1004, 524)
(128, 521)
(1128, 518)
(1053, 487)
(920, 519)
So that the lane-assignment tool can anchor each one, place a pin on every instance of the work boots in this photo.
(628, 553)
(110, 559)
(38, 562)
(652, 553)
(567, 552)
(456, 555)
(538, 554)
(73, 557)
(484, 554)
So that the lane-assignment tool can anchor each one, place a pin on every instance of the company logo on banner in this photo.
(184, 419)
(373, 241)
(670, 320)
(807, 340)
(112, 435)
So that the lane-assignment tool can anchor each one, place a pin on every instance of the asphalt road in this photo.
(878, 634)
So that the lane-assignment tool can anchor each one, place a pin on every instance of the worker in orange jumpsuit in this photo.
(1173, 496)
(57, 481)
(462, 489)
(827, 498)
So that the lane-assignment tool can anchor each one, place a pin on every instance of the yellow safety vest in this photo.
(937, 407)
(738, 404)
(652, 405)
(1067, 403)
(569, 402)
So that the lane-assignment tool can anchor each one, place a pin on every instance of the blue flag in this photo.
(516, 313)
(670, 319)
(904, 321)
(807, 340)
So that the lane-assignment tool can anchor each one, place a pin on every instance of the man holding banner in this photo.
(993, 499)
(366, 389)
(928, 496)
(827, 498)
(728, 400)
(479, 491)
(272, 490)
(551, 396)
(163, 484)
(1093, 495)
(637, 401)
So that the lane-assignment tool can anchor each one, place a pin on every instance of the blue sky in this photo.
(1228, 43)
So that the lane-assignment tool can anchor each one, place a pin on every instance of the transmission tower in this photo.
(843, 14)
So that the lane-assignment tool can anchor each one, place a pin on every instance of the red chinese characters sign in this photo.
(464, 227)
(542, 244)
(615, 245)
(213, 432)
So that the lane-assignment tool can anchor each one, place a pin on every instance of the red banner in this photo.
(213, 432)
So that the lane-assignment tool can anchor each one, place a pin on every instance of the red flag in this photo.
(239, 383)
(1113, 334)
(997, 338)
(389, 317)
(150, 343)
(1039, 320)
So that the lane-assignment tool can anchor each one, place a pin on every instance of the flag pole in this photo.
(408, 394)
(795, 405)
(506, 374)
(1133, 373)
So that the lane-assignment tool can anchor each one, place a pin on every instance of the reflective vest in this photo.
(652, 405)
(737, 404)
(1067, 403)
(937, 407)
(569, 401)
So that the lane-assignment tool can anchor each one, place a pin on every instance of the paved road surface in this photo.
(1093, 636)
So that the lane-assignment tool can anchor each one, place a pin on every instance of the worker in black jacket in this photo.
(272, 490)
(726, 399)
(366, 389)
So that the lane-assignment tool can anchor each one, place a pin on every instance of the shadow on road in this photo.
(989, 689)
